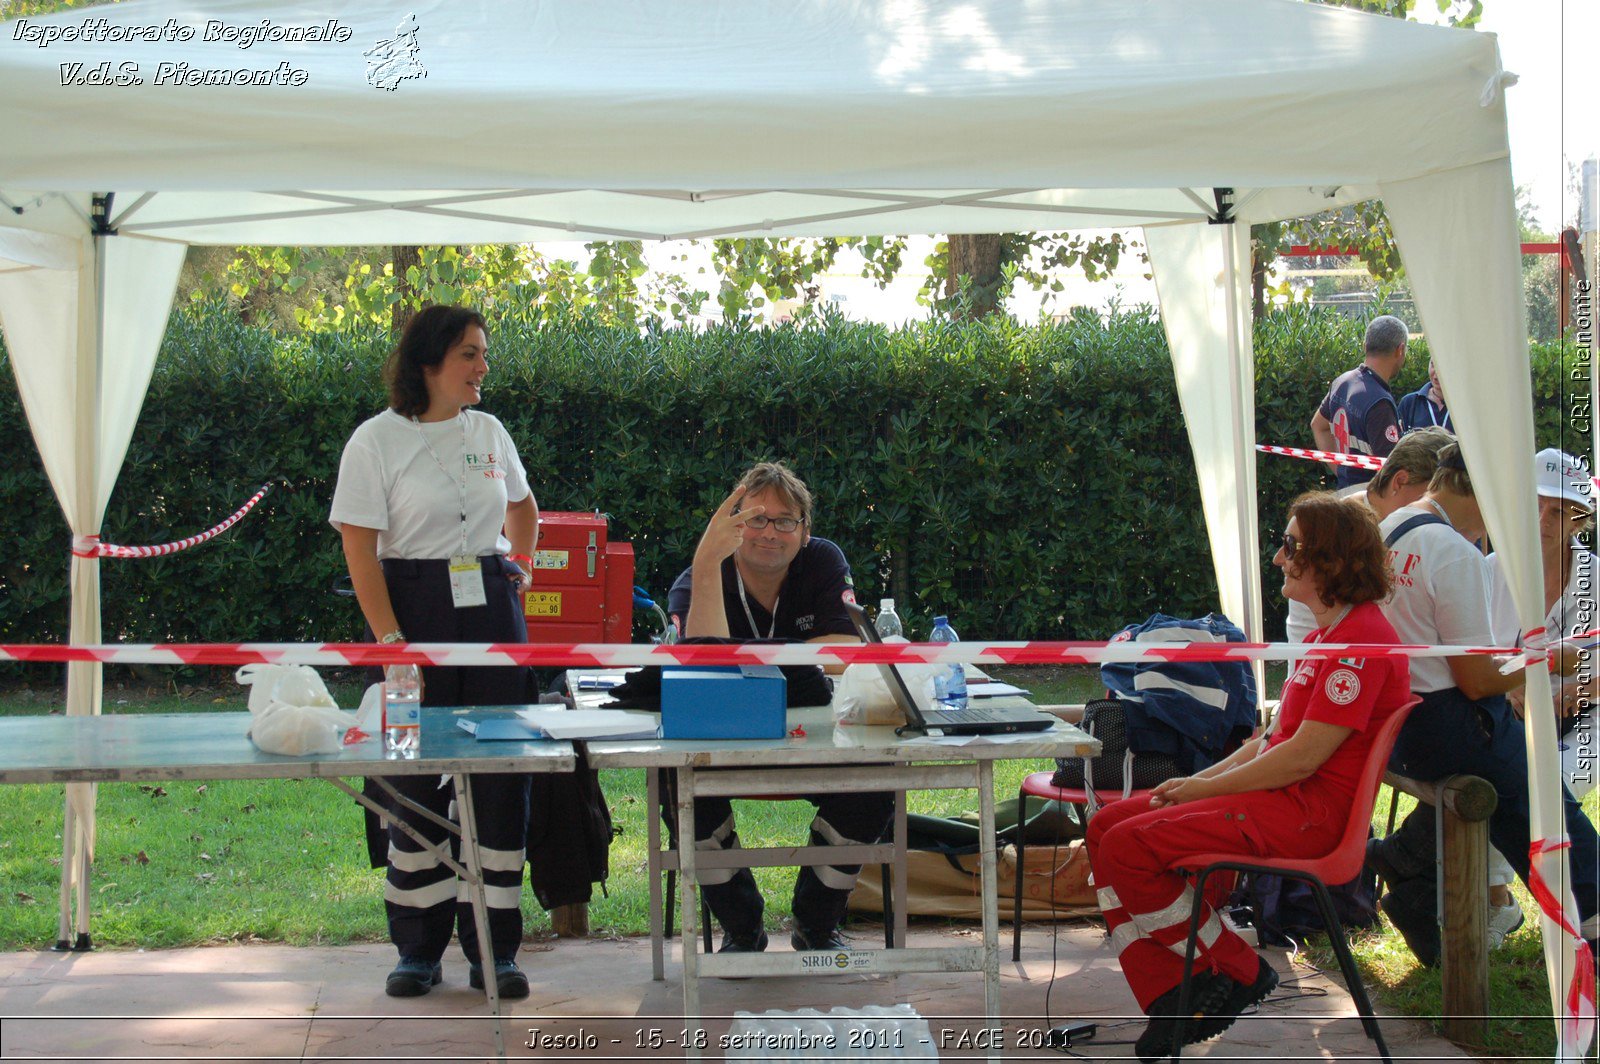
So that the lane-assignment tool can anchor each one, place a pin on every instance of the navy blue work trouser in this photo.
(422, 897)
(1449, 733)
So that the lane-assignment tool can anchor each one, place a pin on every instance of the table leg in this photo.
(480, 904)
(688, 898)
(902, 894)
(652, 803)
(987, 842)
(69, 863)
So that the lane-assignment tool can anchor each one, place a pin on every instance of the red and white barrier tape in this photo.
(1358, 461)
(630, 655)
(91, 547)
(1578, 1017)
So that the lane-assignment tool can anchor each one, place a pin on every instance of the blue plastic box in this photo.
(723, 702)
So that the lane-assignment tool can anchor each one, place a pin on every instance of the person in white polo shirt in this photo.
(1464, 723)
(1566, 510)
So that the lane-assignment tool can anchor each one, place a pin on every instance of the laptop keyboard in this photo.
(970, 715)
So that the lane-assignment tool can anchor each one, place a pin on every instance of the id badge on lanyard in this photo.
(466, 581)
(466, 572)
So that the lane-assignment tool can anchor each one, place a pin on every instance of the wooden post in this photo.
(1464, 807)
(571, 921)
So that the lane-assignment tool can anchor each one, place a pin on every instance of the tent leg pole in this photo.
(82, 942)
(1243, 454)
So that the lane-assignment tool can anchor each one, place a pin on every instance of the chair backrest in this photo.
(1344, 863)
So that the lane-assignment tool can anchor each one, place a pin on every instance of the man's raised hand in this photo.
(725, 531)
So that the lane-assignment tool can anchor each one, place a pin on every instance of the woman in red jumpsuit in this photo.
(1285, 794)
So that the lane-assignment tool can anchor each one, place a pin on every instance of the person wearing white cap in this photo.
(1566, 509)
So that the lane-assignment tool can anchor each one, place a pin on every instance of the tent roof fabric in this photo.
(568, 119)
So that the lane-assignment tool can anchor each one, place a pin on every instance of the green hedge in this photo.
(1030, 480)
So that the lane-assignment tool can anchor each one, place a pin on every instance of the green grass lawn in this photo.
(187, 863)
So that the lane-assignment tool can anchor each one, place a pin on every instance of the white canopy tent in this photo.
(477, 121)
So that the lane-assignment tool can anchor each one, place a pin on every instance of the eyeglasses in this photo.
(782, 524)
(1290, 546)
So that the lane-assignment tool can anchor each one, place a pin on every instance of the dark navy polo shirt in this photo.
(810, 602)
(1365, 420)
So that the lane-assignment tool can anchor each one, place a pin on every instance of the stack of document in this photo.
(557, 723)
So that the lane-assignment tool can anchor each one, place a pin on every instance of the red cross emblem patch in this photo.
(1343, 687)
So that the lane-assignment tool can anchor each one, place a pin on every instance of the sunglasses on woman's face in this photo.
(1290, 546)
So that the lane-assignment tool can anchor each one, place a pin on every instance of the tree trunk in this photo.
(404, 256)
(976, 256)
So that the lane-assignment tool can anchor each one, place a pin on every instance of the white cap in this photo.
(1561, 476)
(885, 604)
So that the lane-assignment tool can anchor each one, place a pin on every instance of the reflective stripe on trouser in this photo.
(820, 894)
(422, 896)
(1146, 906)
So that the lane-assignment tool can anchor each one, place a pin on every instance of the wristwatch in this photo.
(396, 636)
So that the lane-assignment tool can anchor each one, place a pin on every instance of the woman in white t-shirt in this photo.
(438, 526)
(1566, 509)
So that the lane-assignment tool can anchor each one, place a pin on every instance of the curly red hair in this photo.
(1342, 548)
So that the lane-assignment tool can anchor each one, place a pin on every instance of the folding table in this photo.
(213, 746)
(827, 758)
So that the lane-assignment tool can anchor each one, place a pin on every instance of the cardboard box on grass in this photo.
(723, 702)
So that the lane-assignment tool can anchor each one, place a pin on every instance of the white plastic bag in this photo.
(291, 711)
(369, 718)
(862, 696)
(295, 685)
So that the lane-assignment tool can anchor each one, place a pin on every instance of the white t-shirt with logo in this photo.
(1574, 613)
(390, 480)
(1441, 594)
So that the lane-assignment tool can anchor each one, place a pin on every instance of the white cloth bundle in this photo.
(291, 711)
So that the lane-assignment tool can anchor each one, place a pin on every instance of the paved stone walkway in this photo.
(593, 1000)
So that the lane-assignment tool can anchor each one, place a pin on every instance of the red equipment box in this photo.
(582, 582)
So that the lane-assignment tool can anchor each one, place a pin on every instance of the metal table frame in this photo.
(832, 759)
(128, 748)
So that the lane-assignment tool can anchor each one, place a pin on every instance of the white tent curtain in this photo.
(1202, 279)
(1458, 237)
(83, 342)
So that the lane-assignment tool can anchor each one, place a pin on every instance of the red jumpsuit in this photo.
(1132, 847)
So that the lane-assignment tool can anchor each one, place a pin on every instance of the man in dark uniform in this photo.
(1426, 407)
(1359, 414)
(758, 573)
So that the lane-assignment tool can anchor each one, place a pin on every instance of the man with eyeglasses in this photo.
(759, 573)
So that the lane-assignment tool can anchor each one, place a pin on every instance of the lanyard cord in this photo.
(754, 631)
(461, 481)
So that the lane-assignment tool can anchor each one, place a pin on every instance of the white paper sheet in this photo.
(592, 723)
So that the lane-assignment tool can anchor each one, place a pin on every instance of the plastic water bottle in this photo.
(888, 622)
(952, 686)
(402, 712)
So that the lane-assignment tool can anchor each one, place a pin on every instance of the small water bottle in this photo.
(888, 622)
(402, 712)
(951, 686)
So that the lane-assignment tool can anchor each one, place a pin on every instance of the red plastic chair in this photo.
(1341, 865)
(1038, 785)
